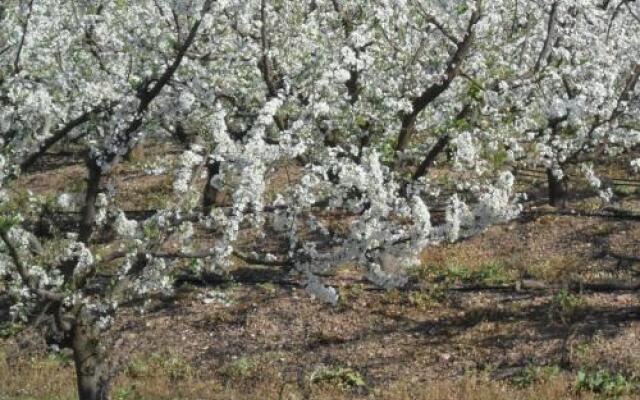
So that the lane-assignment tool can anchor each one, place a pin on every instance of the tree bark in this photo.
(431, 157)
(57, 136)
(89, 209)
(557, 190)
(91, 372)
(211, 194)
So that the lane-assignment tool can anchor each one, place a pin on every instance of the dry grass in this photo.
(49, 379)
(144, 193)
(271, 342)
(36, 378)
(52, 182)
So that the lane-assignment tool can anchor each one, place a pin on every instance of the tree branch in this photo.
(437, 148)
(24, 274)
(431, 93)
(147, 95)
(25, 27)
(550, 33)
(60, 134)
(434, 21)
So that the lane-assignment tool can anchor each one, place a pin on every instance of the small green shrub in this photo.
(625, 191)
(564, 305)
(344, 377)
(349, 294)
(8, 221)
(61, 357)
(424, 300)
(603, 382)
(490, 273)
(268, 288)
(532, 374)
(127, 393)
(9, 329)
(241, 368)
(172, 366)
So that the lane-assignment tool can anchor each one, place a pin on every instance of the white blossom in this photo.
(124, 227)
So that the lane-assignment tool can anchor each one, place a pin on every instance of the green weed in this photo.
(603, 382)
(344, 377)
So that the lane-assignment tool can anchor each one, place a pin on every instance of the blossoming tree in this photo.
(351, 101)
(568, 92)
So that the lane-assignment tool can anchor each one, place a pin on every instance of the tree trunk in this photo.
(91, 371)
(406, 130)
(557, 189)
(431, 157)
(89, 209)
(211, 194)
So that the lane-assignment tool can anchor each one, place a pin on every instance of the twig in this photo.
(25, 27)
